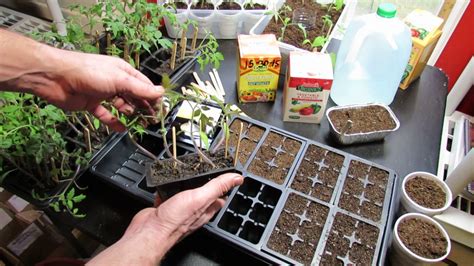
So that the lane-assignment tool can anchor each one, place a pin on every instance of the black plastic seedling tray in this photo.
(123, 164)
(330, 182)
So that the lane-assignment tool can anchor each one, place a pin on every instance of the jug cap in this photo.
(387, 10)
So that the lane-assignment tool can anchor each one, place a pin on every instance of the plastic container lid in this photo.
(387, 10)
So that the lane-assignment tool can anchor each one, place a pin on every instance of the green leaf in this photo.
(55, 206)
(70, 204)
(70, 194)
(79, 198)
(96, 123)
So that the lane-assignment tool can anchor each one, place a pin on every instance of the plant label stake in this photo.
(193, 42)
(87, 139)
(173, 55)
(346, 127)
(238, 144)
(183, 48)
(174, 145)
(218, 81)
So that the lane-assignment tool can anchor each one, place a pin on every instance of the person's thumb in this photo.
(218, 187)
(138, 89)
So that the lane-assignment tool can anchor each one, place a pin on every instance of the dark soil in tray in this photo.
(229, 6)
(350, 242)
(364, 190)
(254, 7)
(251, 135)
(298, 229)
(162, 62)
(422, 238)
(180, 5)
(364, 119)
(275, 157)
(425, 192)
(203, 6)
(165, 171)
(318, 172)
(294, 35)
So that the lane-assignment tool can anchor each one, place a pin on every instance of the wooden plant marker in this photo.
(238, 145)
(174, 146)
(173, 55)
(194, 40)
(87, 139)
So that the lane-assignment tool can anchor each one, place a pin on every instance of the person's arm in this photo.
(74, 81)
(153, 231)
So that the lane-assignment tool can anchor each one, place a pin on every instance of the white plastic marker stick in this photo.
(174, 145)
(87, 139)
(214, 82)
(183, 90)
(198, 80)
(238, 145)
(218, 79)
(215, 91)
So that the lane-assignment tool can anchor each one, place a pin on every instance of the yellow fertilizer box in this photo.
(308, 82)
(258, 68)
(425, 34)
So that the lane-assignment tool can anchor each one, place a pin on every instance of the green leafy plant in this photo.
(32, 144)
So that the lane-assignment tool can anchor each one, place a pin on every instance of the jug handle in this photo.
(363, 34)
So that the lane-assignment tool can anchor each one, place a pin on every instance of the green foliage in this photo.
(32, 142)
(209, 53)
(66, 202)
(318, 41)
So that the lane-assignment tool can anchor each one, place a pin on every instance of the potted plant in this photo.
(425, 193)
(313, 37)
(229, 15)
(203, 12)
(37, 159)
(254, 11)
(418, 240)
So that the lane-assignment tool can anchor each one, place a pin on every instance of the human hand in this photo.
(85, 80)
(74, 81)
(153, 231)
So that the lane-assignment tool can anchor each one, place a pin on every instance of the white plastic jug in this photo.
(371, 59)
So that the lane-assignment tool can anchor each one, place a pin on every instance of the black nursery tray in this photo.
(328, 183)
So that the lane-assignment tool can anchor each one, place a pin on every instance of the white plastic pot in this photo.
(401, 255)
(174, 31)
(408, 205)
(204, 19)
(228, 25)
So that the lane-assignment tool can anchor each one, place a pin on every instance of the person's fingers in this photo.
(217, 188)
(128, 84)
(122, 106)
(137, 74)
(107, 118)
(207, 215)
(140, 103)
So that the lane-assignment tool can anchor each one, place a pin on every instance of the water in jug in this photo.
(372, 58)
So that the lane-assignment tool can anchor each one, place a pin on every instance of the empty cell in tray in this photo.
(250, 187)
(251, 232)
(240, 205)
(269, 195)
(261, 214)
(230, 222)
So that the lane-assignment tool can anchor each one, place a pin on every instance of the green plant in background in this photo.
(209, 53)
(32, 145)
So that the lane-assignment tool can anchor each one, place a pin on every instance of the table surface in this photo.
(413, 147)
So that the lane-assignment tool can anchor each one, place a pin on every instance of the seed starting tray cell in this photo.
(318, 172)
(298, 229)
(350, 241)
(276, 157)
(250, 210)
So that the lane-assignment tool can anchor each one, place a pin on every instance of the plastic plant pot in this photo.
(174, 30)
(401, 255)
(204, 19)
(228, 25)
(409, 205)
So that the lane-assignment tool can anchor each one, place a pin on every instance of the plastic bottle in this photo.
(372, 58)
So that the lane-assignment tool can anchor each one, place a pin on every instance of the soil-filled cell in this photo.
(250, 187)
(350, 241)
(235, 126)
(275, 157)
(298, 229)
(240, 205)
(249, 139)
(318, 178)
(251, 232)
(261, 214)
(364, 191)
(230, 222)
(255, 133)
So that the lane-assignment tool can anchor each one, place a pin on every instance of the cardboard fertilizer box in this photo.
(258, 68)
(308, 83)
(425, 34)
